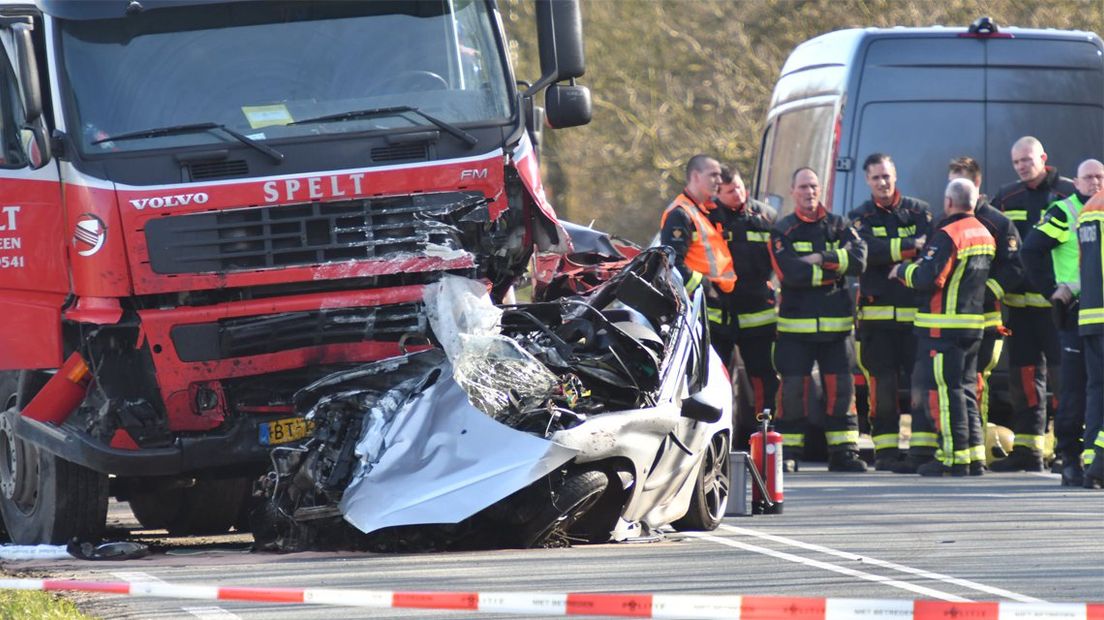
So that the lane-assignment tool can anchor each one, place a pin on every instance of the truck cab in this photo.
(208, 205)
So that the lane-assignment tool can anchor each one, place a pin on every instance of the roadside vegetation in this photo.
(671, 78)
(27, 605)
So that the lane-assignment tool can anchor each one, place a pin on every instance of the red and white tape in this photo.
(684, 606)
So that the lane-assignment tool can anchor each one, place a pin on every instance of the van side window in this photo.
(799, 138)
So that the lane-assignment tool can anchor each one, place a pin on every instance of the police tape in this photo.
(685, 606)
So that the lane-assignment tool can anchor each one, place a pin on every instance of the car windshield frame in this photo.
(173, 66)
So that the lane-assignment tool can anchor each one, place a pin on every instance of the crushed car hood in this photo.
(445, 460)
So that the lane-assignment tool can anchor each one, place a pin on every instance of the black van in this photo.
(925, 95)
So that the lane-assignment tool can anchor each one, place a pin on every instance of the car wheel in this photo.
(574, 498)
(45, 499)
(207, 507)
(710, 496)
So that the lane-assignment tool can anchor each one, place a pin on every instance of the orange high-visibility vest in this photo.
(708, 252)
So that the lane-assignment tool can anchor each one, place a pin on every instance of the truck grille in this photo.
(304, 234)
(257, 335)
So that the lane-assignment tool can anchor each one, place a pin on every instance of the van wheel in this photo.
(573, 499)
(710, 495)
(207, 507)
(45, 499)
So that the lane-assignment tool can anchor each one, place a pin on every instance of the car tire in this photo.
(208, 507)
(574, 497)
(45, 499)
(711, 489)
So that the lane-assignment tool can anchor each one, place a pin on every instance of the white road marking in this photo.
(210, 613)
(938, 594)
(136, 577)
(973, 585)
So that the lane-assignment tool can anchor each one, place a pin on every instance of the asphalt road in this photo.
(1018, 537)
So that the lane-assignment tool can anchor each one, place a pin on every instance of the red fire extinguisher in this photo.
(766, 454)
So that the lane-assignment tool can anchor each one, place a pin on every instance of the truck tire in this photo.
(574, 497)
(45, 499)
(711, 489)
(206, 508)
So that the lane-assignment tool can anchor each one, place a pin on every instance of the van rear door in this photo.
(921, 100)
(1052, 89)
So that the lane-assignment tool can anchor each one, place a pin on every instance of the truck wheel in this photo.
(569, 503)
(45, 499)
(205, 508)
(710, 496)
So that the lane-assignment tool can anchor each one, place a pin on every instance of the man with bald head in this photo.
(1059, 280)
(1032, 344)
(951, 276)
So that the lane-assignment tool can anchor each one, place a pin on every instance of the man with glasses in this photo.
(1059, 281)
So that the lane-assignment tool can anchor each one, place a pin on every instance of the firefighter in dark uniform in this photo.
(949, 323)
(1090, 236)
(751, 317)
(894, 228)
(813, 250)
(701, 254)
(1033, 341)
(1005, 274)
(1059, 280)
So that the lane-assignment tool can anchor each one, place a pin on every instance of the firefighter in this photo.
(949, 323)
(1033, 341)
(1058, 279)
(894, 228)
(1090, 235)
(812, 251)
(746, 225)
(701, 254)
(1005, 274)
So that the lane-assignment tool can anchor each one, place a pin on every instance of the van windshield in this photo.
(800, 138)
(257, 67)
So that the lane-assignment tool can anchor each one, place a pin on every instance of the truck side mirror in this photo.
(36, 146)
(567, 105)
(560, 39)
(28, 72)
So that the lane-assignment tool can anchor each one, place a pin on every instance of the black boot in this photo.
(1073, 475)
(1094, 475)
(885, 460)
(978, 468)
(912, 463)
(935, 469)
(846, 460)
(1021, 459)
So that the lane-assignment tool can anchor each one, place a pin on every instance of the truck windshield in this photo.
(257, 67)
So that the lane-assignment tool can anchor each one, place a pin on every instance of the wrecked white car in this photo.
(593, 417)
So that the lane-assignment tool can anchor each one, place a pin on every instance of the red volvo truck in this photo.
(205, 206)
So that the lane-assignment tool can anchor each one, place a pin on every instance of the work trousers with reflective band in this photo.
(1092, 348)
(992, 344)
(946, 374)
(1032, 347)
(1069, 421)
(756, 350)
(794, 359)
(885, 356)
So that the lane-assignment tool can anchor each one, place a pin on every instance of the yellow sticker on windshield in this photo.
(265, 115)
